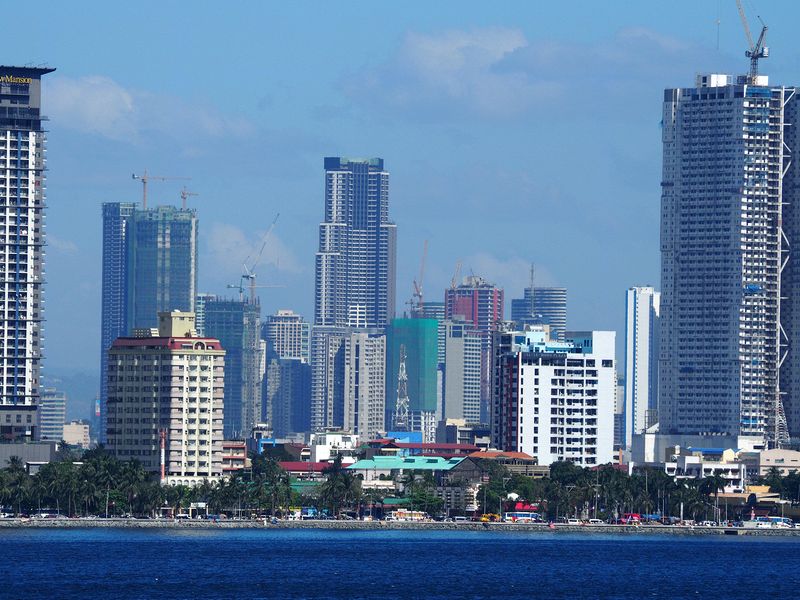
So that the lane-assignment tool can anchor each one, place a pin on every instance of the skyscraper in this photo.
(114, 312)
(642, 305)
(287, 384)
(161, 263)
(478, 302)
(355, 264)
(461, 372)
(287, 335)
(22, 241)
(727, 147)
(149, 265)
(237, 325)
(355, 274)
(365, 384)
(542, 306)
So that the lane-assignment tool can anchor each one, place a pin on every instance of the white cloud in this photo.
(499, 73)
(95, 104)
(103, 107)
(61, 245)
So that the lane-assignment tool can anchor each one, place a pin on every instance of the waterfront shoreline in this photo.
(532, 528)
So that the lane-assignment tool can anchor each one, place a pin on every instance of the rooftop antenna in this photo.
(756, 50)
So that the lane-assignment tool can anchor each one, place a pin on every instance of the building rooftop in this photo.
(394, 463)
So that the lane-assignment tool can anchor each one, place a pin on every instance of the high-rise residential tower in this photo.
(287, 384)
(355, 264)
(22, 240)
(480, 303)
(555, 400)
(727, 145)
(355, 271)
(186, 415)
(642, 306)
(114, 312)
(287, 335)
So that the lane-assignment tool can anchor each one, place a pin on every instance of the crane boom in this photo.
(756, 50)
(746, 26)
(145, 177)
(417, 296)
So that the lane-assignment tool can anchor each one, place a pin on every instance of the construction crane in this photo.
(757, 50)
(416, 297)
(145, 177)
(249, 271)
(185, 194)
(240, 286)
(454, 280)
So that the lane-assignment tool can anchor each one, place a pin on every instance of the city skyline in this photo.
(281, 113)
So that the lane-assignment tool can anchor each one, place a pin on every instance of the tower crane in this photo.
(416, 297)
(756, 50)
(454, 280)
(185, 194)
(145, 177)
(249, 271)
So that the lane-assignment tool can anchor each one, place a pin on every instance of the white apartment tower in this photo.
(642, 306)
(287, 335)
(22, 242)
(554, 400)
(365, 380)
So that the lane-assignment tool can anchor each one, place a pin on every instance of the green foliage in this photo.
(105, 486)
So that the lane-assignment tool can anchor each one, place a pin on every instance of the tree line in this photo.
(96, 483)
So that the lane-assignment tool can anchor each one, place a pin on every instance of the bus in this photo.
(522, 516)
(407, 515)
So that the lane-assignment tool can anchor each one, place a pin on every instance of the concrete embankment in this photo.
(392, 526)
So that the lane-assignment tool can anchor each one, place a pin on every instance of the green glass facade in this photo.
(420, 338)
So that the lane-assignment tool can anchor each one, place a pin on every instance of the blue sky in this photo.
(514, 132)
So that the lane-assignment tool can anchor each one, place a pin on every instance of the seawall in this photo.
(532, 528)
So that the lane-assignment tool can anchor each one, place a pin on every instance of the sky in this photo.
(514, 132)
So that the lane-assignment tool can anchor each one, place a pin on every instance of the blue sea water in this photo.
(124, 563)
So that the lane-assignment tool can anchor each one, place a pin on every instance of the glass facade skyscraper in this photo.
(237, 325)
(161, 264)
(22, 242)
(149, 264)
(114, 313)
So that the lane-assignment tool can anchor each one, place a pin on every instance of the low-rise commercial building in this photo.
(76, 433)
(234, 456)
